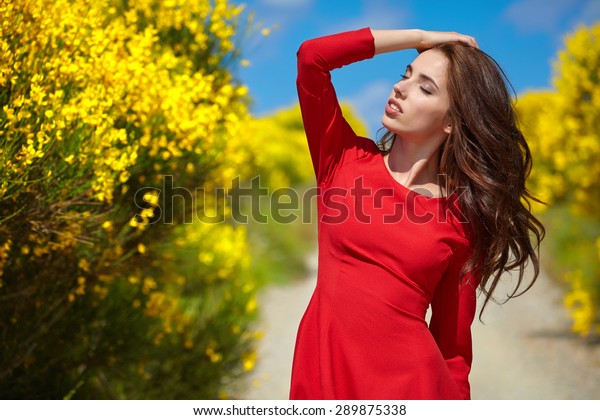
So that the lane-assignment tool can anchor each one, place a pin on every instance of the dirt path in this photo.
(282, 307)
(524, 351)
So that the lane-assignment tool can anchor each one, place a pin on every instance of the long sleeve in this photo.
(452, 312)
(329, 135)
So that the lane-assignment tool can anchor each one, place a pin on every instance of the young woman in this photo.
(435, 211)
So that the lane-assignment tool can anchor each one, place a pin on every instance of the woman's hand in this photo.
(430, 39)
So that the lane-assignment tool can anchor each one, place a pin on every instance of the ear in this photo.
(448, 128)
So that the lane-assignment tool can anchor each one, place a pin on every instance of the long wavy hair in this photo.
(486, 157)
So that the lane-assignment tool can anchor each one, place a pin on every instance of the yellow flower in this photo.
(80, 286)
(84, 265)
(150, 284)
(251, 305)
(249, 361)
(212, 353)
(151, 197)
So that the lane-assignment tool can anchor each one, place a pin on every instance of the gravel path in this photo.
(523, 351)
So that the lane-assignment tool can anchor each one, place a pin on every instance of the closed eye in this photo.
(422, 78)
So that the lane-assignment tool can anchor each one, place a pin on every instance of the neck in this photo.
(415, 165)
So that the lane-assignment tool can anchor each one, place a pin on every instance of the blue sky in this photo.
(524, 36)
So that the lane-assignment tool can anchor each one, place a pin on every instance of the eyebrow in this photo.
(422, 76)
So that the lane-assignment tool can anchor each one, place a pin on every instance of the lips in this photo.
(393, 107)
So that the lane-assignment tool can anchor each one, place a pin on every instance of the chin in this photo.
(385, 121)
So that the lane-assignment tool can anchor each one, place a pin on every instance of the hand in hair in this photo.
(431, 38)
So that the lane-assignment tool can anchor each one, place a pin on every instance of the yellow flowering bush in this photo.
(563, 128)
(101, 102)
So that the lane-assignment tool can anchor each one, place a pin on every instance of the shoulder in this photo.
(363, 151)
(366, 147)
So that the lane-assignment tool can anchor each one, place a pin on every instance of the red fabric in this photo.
(385, 255)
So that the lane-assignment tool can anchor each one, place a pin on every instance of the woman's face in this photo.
(418, 105)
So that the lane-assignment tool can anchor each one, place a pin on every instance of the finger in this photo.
(473, 42)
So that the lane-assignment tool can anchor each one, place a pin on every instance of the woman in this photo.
(422, 221)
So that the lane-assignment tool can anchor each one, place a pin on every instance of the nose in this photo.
(400, 89)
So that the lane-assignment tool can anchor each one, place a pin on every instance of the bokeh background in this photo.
(136, 135)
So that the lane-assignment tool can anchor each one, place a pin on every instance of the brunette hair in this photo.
(487, 156)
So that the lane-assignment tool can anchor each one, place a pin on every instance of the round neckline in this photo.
(405, 190)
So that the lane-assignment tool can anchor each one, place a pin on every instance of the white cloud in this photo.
(590, 12)
(369, 103)
(546, 16)
(377, 14)
(279, 13)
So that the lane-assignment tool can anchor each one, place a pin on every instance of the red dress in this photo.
(385, 255)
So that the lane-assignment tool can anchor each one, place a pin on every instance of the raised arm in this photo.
(403, 39)
(331, 140)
